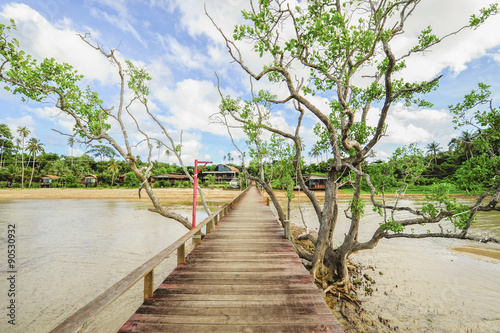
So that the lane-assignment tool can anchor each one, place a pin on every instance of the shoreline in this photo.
(167, 194)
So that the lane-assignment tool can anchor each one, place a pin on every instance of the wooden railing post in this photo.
(209, 227)
(181, 254)
(286, 226)
(80, 318)
(149, 284)
(197, 238)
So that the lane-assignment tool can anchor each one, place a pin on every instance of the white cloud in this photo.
(446, 16)
(61, 121)
(407, 125)
(191, 104)
(14, 123)
(44, 40)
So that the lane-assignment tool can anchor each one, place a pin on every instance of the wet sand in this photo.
(164, 194)
(477, 252)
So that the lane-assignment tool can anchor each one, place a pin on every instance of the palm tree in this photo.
(433, 147)
(34, 146)
(113, 168)
(71, 143)
(167, 152)
(23, 133)
(18, 145)
(467, 144)
(59, 168)
(158, 146)
(315, 152)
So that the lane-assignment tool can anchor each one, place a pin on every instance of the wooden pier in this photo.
(244, 277)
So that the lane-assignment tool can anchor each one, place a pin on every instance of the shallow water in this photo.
(69, 251)
(424, 285)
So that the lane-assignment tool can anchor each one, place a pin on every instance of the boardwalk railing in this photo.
(80, 318)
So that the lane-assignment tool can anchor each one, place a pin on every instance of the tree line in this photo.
(24, 159)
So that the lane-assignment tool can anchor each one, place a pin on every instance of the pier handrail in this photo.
(80, 318)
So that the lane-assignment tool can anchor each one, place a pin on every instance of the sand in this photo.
(164, 194)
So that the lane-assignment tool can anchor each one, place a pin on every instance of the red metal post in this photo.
(195, 187)
(195, 191)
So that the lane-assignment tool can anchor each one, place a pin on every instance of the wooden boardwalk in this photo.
(245, 277)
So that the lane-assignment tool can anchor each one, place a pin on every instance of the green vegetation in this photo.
(37, 162)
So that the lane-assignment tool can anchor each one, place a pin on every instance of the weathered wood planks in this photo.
(244, 277)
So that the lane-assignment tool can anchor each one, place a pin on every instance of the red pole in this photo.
(195, 187)
(195, 191)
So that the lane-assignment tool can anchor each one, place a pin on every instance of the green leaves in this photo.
(138, 79)
(440, 200)
(484, 13)
(23, 75)
(393, 226)
(426, 39)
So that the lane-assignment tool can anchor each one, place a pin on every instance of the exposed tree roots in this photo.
(342, 298)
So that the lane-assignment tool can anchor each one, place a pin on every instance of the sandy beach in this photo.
(164, 194)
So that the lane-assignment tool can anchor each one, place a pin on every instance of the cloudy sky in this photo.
(182, 50)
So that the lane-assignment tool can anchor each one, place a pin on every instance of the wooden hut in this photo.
(90, 181)
(171, 177)
(222, 173)
(46, 180)
(315, 182)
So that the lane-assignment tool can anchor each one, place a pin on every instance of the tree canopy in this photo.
(341, 51)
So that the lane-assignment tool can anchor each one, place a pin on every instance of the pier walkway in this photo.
(244, 277)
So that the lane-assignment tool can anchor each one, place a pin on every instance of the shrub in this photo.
(3, 184)
(15, 185)
(168, 184)
(186, 183)
(35, 185)
(131, 180)
(68, 181)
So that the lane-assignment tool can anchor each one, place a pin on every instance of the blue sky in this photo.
(179, 46)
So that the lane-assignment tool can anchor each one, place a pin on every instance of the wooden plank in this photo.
(233, 311)
(77, 320)
(149, 285)
(224, 319)
(244, 328)
(245, 277)
(159, 302)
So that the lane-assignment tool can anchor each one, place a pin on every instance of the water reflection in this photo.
(69, 251)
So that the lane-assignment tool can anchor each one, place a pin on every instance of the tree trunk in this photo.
(328, 220)
(22, 164)
(158, 208)
(32, 170)
(336, 261)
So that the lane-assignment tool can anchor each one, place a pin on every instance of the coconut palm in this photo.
(433, 148)
(113, 168)
(315, 152)
(158, 146)
(23, 133)
(467, 144)
(71, 143)
(59, 168)
(34, 147)
(167, 153)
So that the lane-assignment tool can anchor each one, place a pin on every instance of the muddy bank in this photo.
(426, 285)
